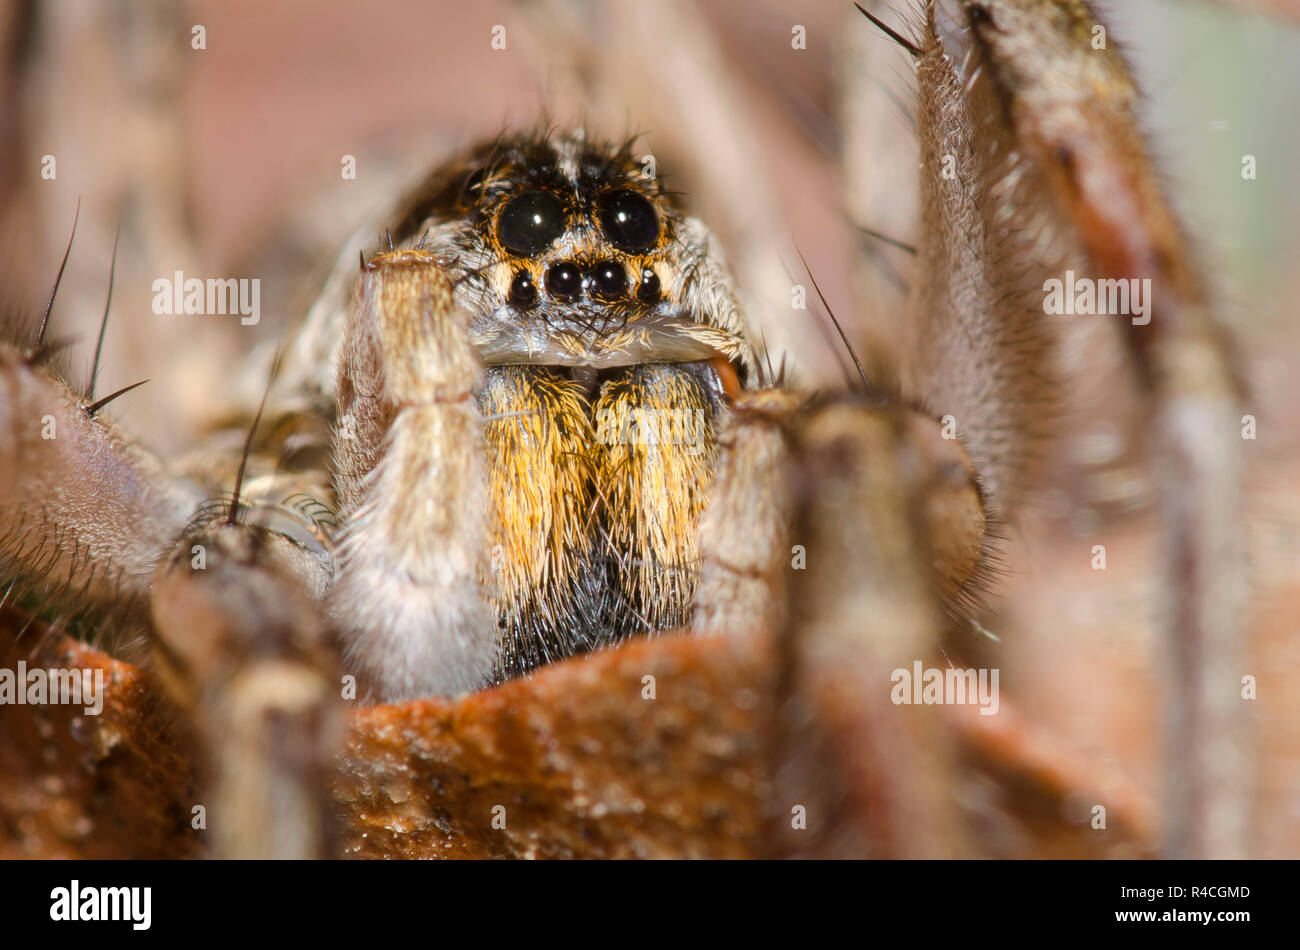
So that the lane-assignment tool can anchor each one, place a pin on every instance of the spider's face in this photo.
(567, 253)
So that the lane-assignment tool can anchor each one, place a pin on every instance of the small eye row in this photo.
(529, 223)
(565, 280)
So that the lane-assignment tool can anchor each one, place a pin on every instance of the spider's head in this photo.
(570, 253)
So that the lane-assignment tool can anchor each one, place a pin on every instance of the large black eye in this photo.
(530, 222)
(628, 219)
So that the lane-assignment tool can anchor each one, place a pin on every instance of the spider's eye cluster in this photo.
(628, 220)
(530, 222)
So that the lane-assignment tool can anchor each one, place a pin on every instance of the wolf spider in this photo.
(532, 424)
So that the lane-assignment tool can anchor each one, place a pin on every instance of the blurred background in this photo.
(213, 135)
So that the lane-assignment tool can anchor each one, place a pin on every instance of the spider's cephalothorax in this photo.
(566, 253)
(595, 325)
